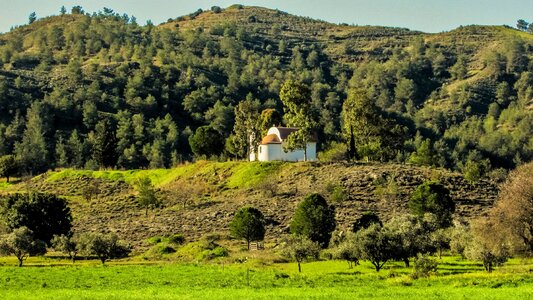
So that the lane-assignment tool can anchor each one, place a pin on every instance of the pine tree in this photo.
(105, 144)
(32, 152)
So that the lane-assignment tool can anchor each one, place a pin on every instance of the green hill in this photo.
(201, 198)
(68, 82)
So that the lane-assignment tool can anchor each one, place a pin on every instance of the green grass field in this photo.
(456, 279)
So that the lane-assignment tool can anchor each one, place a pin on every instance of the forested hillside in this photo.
(99, 90)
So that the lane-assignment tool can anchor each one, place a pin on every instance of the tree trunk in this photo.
(248, 244)
(299, 268)
(20, 259)
(7, 178)
(146, 211)
(406, 262)
(351, 146)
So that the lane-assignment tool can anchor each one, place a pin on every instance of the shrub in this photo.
(176, 239)
(336, 152)
(424, 267)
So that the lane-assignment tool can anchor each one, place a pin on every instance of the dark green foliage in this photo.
(21, 243)
(248, 224)
(176, 239)
(8, 166)
(365, 220)
(156, 86)
(45, 215)
(434, 198)
(105, 144)
(296, 98)
(522, 24)
(314, 219)
(32, 18)
(206, 141)
(368, 133)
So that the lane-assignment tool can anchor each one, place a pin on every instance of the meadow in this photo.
(49, 278)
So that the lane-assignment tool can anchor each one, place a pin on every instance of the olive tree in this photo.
(104, 246)
(376, 244)
(486, 246)
(68, 245)
(248, 224)
(300, 248)
(346, 249)
(21, 243)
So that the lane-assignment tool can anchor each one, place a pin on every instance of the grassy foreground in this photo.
(456, 279)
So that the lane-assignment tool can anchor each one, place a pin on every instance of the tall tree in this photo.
(105, 144)
(32, 18)
(522, 24)
(32, 152)
(299, 112)
(247, 131)
(368, 133)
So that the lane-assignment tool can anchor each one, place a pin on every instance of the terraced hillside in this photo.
(216, 190)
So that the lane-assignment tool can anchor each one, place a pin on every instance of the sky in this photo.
(423, 15)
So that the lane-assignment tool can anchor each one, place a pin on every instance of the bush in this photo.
(176, 239)
(424, 267)
(336, 152)
(216, 9)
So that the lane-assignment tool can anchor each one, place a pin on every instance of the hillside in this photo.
(73, 83)
(214, 191)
